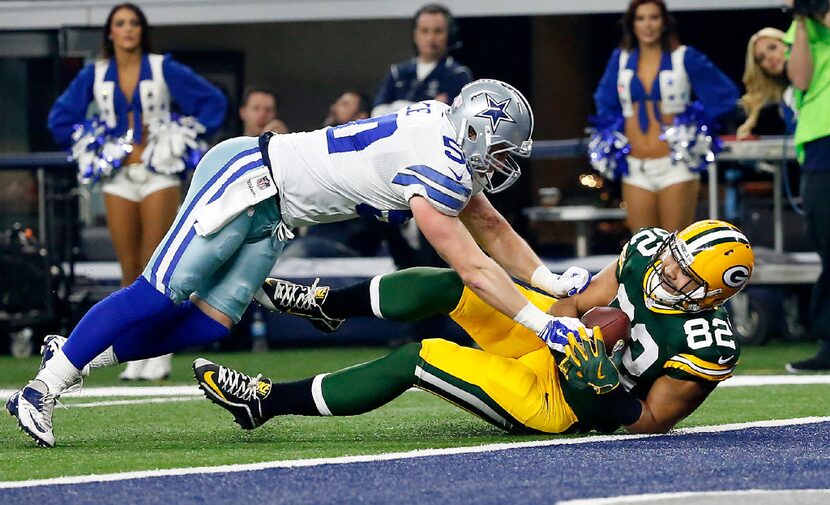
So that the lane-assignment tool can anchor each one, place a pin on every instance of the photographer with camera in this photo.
(808, 69)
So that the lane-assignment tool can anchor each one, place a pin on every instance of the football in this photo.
(614, 324)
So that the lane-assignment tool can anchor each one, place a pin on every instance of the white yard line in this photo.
(124, 391)
(393, 456)
(159, 391)
(132, 402)
(784, 496)
(773, 380)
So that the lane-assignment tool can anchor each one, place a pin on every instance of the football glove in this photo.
(587, 366)
(556, 331)
(572, 282)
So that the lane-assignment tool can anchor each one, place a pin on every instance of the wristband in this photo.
(533, 318)
(543, 278)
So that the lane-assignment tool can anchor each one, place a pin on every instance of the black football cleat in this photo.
(239, 394)
(816, 364)
(279, 295)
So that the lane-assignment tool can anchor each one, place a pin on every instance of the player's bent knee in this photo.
(182, 286)
(242, 294)
(406, 358)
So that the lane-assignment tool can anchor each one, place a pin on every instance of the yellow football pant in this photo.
(511, 381)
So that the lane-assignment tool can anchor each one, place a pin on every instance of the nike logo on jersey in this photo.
(722, 360)
(456, 174)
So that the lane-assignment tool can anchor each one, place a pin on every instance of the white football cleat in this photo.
(32, 406)
(133, 371)
(156, 369)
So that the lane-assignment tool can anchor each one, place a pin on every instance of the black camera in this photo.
(807, 7)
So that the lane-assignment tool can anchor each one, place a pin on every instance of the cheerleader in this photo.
(140, 164)
(649, 81)
(766, 82)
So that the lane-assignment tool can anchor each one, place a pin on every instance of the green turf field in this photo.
(197, 433)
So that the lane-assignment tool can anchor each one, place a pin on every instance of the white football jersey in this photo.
(371, 167)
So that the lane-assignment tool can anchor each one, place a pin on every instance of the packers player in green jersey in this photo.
(671, 285)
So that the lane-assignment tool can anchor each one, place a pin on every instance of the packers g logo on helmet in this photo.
(717, 258)
(736, 276)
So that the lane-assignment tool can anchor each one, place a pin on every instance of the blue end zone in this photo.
(790, 457)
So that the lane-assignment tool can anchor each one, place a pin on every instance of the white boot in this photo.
(156, 369)
(133, 370)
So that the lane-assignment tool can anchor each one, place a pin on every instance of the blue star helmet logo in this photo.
(496, 112)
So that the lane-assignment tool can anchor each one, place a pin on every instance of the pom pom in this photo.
(97, 150)
(174, 146)
(692, 140)
(608, 148)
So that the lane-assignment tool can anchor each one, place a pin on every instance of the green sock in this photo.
(419, 292)
(367, 386)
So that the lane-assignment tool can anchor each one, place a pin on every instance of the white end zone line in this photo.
(83, 479)
(720, 496)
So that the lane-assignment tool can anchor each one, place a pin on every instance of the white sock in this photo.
(105, 359)
(58, 373)
(317, 394)
(374, 295)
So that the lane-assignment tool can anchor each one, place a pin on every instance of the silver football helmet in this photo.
(493, 122)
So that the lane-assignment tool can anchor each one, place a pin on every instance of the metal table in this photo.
(778, 149)
(581, 215)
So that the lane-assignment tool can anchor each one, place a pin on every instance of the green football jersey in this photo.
(688, 346)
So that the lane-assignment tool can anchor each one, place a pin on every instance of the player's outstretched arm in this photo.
(495, 235)
(669, 401)
(453, 242)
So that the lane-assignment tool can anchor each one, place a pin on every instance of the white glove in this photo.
(573, 281)
(553, 330)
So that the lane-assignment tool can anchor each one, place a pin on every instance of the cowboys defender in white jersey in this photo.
(427, 161)
(373, 167)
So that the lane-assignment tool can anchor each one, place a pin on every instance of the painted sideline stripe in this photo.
(638, 498)
(131, 402)
(138, 391)
(773, 380)
(420, 453)
(124, 391)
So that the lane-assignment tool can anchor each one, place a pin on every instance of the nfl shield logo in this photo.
(263, 183)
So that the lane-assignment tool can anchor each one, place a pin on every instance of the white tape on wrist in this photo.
(544, 279)
(532, 318)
